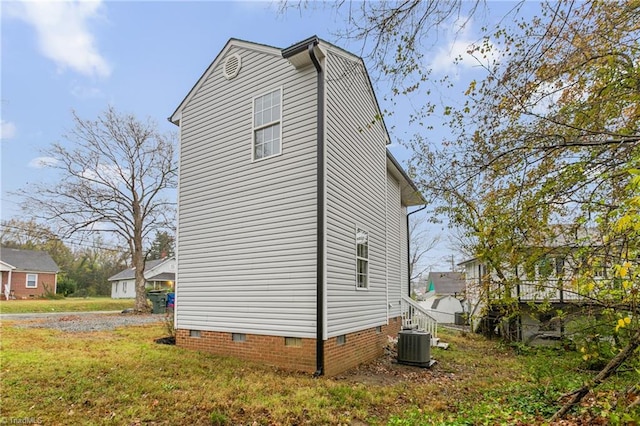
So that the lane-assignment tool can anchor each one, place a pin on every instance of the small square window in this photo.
(238, 337)
(293, 342)
(195, 334)
(341, 340)
(379, 329)
(32, 281)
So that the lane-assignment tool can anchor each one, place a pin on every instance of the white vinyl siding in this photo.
(247, 229)
(125, 289)
(404, 254)
(395, 223)
(355, 194)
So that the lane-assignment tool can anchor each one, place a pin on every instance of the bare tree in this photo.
(421, 241)
(116, 177)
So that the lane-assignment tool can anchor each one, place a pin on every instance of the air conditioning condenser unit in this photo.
(414, 348)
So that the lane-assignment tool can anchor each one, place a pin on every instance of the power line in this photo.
(70, 240)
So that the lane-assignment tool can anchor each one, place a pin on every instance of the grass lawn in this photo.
(123, 377)
(71, 304)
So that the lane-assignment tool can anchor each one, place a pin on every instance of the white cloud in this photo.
(455, 52)
(7, 130)
(42, 162)
(106, 173)
(64, 36)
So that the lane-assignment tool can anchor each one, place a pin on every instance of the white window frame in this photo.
(35, 281)
(124, 287)
(255, 128)
(360, 259)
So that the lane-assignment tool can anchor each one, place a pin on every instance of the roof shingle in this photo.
(28, 260)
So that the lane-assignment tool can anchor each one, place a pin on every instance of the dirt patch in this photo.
(90, 322)
(387, 371)
(169, 340)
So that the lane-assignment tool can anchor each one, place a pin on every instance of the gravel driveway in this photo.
(79, 322)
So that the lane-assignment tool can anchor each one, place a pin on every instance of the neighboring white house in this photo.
(546, 282)
(159, 274)
(292, 226)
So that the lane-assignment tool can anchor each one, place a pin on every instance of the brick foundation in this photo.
(270, 350)
(358, 347)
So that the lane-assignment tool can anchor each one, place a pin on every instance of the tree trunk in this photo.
(141, 292)
(138, 256)
(607, 371)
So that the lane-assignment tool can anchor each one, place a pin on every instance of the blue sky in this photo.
(140, 57)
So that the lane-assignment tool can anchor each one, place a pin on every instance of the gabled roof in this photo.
(163, 276)
(411, 195)
(289, 53)
(446, 282)
(129, 273)
(296, 55)
(28, 260)
(233, 42)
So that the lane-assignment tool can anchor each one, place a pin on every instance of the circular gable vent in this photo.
(231, 66)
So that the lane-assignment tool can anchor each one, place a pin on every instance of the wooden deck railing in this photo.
(415, 316)
(537, 291)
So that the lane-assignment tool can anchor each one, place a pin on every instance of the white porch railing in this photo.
(415, 316)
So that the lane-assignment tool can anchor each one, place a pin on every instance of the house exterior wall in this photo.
(46, 281)
(356, 198)
(246, 253)
(123, 289)
(168, 265)
(123, 283)
(247, 229)
(396, 221)
(404, 253)
(359, 347)
(445, 310)
(473, 285)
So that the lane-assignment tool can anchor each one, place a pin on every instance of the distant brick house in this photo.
(27, 273)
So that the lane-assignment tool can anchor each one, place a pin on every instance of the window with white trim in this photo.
(32, 280)
(362, 258)
(267, 129)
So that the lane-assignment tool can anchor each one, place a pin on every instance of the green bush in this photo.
(66, 285)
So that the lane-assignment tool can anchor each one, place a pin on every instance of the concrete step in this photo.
(436, 343)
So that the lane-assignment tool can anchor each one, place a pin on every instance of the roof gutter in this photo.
(309, 45)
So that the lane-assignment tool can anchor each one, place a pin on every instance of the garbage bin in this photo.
(171, 301)
(158, 300)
